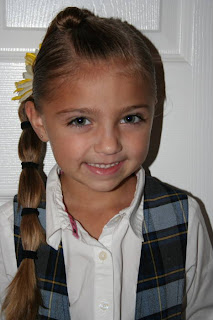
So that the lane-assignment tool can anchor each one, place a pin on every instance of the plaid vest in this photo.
(162, 264)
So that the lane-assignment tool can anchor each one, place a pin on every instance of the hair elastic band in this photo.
(27, 254)
(26, 211)
(29, 165)
(25, 125)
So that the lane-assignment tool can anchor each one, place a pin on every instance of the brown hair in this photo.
(74, 36)
(23, 296)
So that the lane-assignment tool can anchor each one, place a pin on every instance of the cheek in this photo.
(139, 145)
(68, 146)
(140, 139)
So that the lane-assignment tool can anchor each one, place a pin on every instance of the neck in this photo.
(94, 209)
(83, 199)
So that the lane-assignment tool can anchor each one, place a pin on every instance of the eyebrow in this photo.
(131, 108)
(78, 110)
(95, 111)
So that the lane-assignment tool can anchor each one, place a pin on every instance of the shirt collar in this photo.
(136, 215)
(57, 218)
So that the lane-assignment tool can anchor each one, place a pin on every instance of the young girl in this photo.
(109, 242)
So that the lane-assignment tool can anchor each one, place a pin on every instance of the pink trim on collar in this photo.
(73, 224)
(72, 220)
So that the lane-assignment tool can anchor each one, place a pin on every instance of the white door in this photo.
(181, 30)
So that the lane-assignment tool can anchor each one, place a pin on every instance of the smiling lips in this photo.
(104, 169)
(103, 166)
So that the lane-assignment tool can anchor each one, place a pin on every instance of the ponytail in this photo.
(23, 295)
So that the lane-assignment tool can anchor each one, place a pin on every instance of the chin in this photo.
(104, 187)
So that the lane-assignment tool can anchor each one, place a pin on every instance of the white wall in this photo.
(181, 30)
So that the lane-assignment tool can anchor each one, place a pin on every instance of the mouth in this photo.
(102, 165)
(104, 169)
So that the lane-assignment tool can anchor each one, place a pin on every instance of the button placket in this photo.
(103, 284)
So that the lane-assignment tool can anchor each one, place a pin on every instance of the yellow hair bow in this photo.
(24, 87)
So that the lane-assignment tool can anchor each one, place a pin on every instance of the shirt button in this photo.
(104, 306)
(102, 255)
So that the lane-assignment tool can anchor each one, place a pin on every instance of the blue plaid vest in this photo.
(162, 264)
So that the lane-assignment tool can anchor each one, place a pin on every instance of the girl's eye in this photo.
(79, 122)
(132, 119)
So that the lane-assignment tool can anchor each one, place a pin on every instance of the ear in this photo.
(36, 121)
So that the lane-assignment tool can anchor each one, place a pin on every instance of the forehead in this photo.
(99, 84)
(110, 67)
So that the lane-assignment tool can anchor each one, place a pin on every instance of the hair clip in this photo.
(26, 211)
(29, 165)
(24, 87)
(25, 125)
(27, 254)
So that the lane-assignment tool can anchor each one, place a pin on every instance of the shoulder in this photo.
(156, 186)
(6, 219)
(197, 227)
(6, 211)
(158, 193)
(196, 219)
(8, 264)
(199, 266)
(195, 208)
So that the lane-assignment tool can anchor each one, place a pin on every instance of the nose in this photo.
(108, 142)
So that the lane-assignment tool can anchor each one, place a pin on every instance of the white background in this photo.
(181, 30)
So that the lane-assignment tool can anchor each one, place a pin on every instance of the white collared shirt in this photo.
(102, 274)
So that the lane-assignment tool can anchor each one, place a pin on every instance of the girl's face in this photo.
(98, 126)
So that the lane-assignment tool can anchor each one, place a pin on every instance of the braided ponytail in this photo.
(23, 296)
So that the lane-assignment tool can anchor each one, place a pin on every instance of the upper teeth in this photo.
(103, 166)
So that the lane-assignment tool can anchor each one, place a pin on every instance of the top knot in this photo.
(71, 17)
